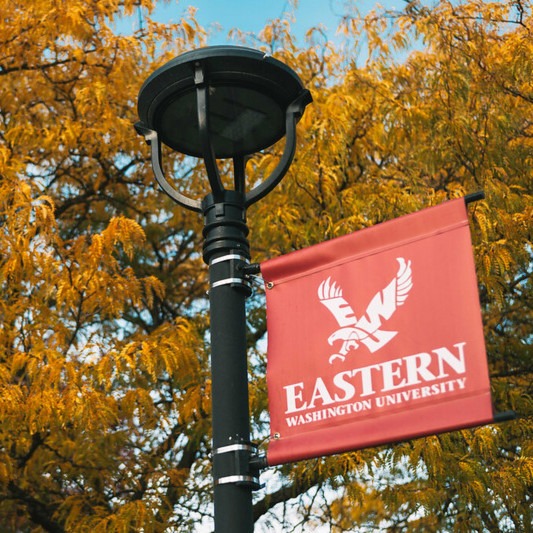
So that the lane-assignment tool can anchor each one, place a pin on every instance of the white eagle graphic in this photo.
(365, 330)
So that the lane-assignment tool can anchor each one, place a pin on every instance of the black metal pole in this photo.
(226, 251)
(241, 96)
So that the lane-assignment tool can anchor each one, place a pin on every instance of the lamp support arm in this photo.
(294, 112)
(151, 137)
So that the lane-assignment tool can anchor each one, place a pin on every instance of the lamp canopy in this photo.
(248, 96)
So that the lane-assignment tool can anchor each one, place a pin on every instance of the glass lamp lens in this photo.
(241, 121)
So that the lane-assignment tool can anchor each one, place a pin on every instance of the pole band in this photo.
(235, 448)
(232, 281)
(228, 257)
(254, 481)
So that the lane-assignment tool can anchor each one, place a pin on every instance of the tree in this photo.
(104, 358)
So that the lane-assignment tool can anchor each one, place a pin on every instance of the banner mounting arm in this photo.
(474, 197)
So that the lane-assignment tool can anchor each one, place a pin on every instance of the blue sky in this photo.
(252, 15)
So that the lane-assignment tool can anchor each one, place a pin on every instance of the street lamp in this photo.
(225, 102)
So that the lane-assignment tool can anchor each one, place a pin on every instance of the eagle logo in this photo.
(352, 330)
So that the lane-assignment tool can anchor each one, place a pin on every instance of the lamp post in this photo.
(225, 102)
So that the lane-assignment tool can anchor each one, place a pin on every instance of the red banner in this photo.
(375, 337)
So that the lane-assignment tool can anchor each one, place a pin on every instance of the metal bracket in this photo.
(232, 464)
(231, 272)
(253, 269)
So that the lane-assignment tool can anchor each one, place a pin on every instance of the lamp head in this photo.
(221, 102)
(249, 93)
